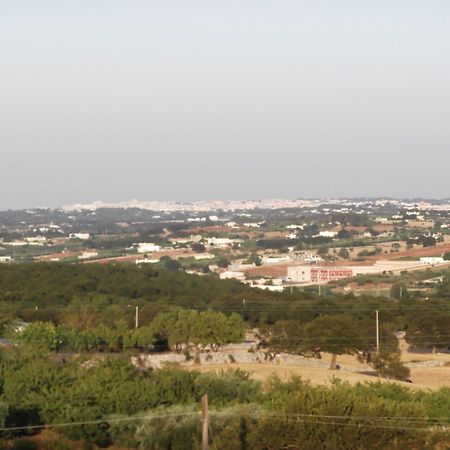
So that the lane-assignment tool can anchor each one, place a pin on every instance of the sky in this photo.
(204, 99)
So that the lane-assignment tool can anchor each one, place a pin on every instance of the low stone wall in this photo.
(158, 361)
(430, 363)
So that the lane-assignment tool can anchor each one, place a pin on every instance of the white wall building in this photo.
(252, 225)
(221, 242)
(36, 240)
(275, 259)
(329, 234)
(432, 260)
(229, 275)
(88, 255)
(82, 236)
(299, 274)
(268, 287)
(148, 247)
(200, 256)
(147, 261)
(16, 243)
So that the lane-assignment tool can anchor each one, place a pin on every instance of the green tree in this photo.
(40, 334)
(254, 259)
(336, 335)
(198, 247)
(399, 291)
(428, 327)
(172, 265)
(223, 263)
(3, 413)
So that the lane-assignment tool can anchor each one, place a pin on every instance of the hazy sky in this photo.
(189, 100)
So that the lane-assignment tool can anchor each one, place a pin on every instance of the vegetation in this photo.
(165, 404)
(75, 328)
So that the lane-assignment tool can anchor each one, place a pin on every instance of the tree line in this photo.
(176, 329)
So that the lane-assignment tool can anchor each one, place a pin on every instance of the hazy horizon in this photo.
(238, 100)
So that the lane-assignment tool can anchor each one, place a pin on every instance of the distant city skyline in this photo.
(204, 100)
(280, 203)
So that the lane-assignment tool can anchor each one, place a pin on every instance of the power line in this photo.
(97, 422)
(400, 418)
(232, 308)
(358, 425)
(307, 418)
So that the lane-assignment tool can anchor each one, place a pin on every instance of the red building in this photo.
(325, 274)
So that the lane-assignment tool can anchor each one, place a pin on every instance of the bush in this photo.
(24, 444)
(3, 413)
(390, 366)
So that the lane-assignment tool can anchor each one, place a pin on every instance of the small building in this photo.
(5, 259)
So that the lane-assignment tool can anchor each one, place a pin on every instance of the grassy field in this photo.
(351, 371)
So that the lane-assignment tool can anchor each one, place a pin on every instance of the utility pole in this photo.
(378, 330)
(136, 319)
(205, 425)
